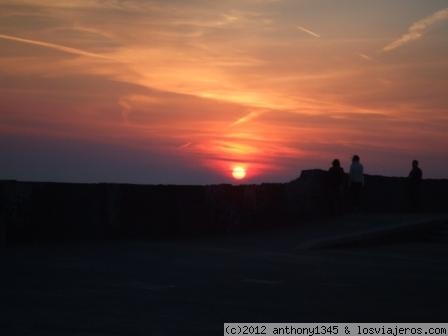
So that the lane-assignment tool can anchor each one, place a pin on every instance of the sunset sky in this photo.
(183, 91)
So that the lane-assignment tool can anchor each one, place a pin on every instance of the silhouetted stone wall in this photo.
(34, 211)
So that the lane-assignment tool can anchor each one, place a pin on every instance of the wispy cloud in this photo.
(80, 29)
(59, 47)
(309, 32)
(366, 57)
(248, 117)
(418, 29)
(185, 145)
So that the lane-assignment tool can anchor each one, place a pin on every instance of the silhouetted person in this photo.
(356, 181)
(414, 182)
(336, 177)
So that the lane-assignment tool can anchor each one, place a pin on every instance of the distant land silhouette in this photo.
(40, 211)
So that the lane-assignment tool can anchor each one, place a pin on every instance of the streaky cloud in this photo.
(185, 145)
(59, 47)
(248, 117)
(308, 31)
(366, 57)
(418, 29)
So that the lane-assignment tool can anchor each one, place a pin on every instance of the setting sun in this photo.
(239, 173)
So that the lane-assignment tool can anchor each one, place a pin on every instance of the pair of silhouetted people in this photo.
(337, 184)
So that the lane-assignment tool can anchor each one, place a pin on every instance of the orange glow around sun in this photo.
(239, 172)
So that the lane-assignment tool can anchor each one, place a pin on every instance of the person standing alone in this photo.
(414, 181)
(336, 178)
(356, 181)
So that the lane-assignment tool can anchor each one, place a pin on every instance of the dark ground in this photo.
(342, 270)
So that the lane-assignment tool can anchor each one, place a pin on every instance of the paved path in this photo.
(191, 287)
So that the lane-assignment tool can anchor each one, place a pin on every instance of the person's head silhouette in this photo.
(336, 163)
(414, 164)
(355, 158)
